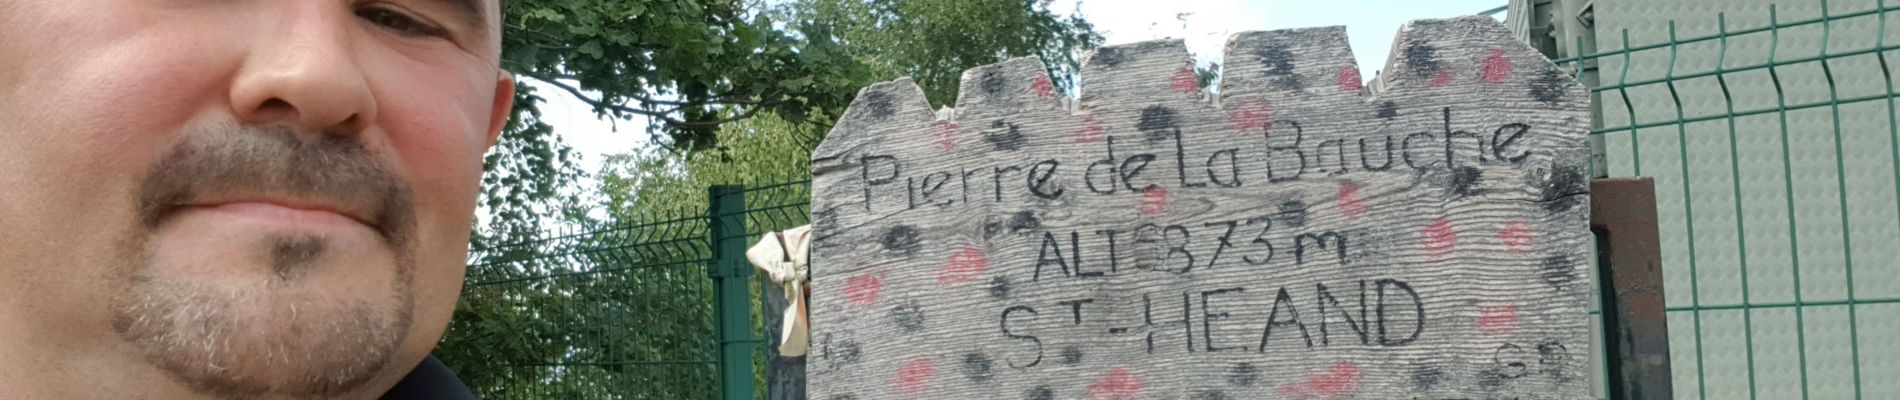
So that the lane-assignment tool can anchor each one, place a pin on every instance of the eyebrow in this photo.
(472, 12)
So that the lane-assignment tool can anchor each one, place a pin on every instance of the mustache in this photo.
(225, 162)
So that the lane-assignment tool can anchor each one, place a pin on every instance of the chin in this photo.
(243, 311)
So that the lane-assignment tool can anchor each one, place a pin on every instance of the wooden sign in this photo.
(1297, 238)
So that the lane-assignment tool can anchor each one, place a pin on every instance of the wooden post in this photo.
(1296, 237)
(1636, 327)
(784, 376)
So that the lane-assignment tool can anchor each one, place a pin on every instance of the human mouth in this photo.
(289, 212)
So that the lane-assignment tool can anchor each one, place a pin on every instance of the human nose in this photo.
(305, 73)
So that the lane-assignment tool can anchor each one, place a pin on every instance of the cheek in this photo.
(435, 122)
(95, 104)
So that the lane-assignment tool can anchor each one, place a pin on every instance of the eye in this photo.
(400, 23)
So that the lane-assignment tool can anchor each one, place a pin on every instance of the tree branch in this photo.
(597, 103)
(663, 116)
(718, 99)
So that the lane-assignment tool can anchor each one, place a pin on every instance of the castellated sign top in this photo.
(1295, 238)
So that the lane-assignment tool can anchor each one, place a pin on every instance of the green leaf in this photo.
(796, 84)
(592, 48)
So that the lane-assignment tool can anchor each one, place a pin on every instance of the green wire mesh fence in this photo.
(619, 313)
(1771, 134)
(627, 312)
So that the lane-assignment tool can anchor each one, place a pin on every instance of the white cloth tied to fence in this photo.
(784, 256)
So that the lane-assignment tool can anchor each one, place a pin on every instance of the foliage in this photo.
(615, 313)
(692, 66)
(764, 149)
(736, 93)
(524, 175)
(677, 62)
(933, 41)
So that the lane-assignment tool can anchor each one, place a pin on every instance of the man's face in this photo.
(242, 198)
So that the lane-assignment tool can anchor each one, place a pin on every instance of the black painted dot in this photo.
(976, 366)
(992, 227)
(1039, 393)
(1279, 66)
(999, 288)
(1421, 59)
(1465, 182)
(1071, 355)
(1210, 395)
(992, 82)
(880, 104)
(849, 351)
(902, 238)
(1004, 136)
(824, 223)
(1566, 189)
(1549, 86)
(1243, 375)
(1276, 58)
(1157, 124)
(1427, 377)
(1109, 57)
(908, 316)
(1388, 109)
(1492, 380)
(841, 351)
(1558, 271)
(1293, 213)
(1024, 222)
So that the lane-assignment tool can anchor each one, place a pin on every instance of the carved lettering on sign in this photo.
(1297, 236)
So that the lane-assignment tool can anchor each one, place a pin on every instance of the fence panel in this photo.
(1769, 127)
(619, 313)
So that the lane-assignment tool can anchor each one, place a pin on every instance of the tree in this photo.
(737, 93)
(931, 41)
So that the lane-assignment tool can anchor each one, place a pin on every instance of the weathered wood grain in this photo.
(1295, 238)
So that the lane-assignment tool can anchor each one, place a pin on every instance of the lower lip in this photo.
(279, 214)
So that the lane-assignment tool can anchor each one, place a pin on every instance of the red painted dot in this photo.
(1119, 384)
(914, 375)
(1043, 86)
(1349, 79)
(1349, 201)
(1496, 320)
(1341, 378)
(1252, 116)
(946, 132)
(1185, 81)
(964, 266)
(1496, 67)
(1443, 78)
(1439, 238)
(1091, 131)
(864, 289)
(1517, 236)
(1154, 200)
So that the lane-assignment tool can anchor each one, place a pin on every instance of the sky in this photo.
(1204, 24)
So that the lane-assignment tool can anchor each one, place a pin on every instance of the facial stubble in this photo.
(302, 343)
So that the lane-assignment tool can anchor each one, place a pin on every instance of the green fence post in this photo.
(732, 298)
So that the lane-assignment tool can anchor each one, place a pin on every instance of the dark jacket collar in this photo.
(431, 380)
